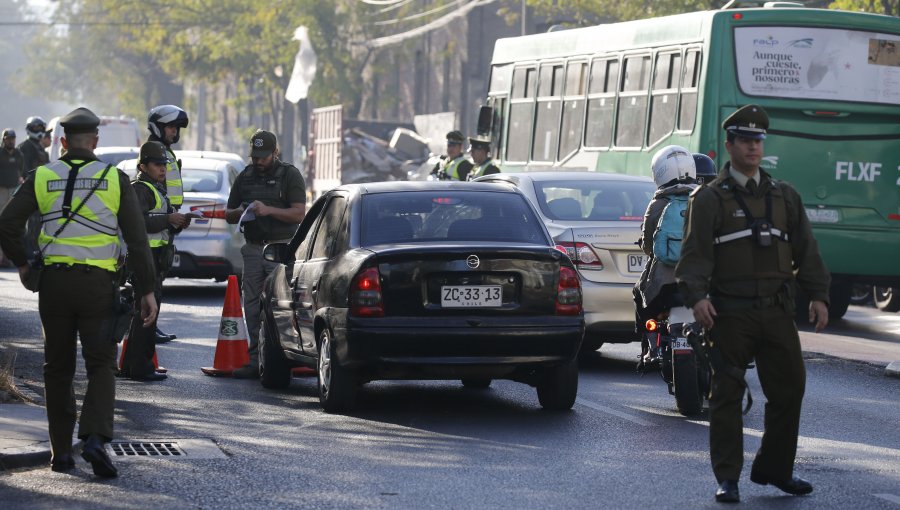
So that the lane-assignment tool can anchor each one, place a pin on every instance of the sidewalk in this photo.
(23, 427)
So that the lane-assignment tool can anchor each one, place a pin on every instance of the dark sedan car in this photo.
(422, 280)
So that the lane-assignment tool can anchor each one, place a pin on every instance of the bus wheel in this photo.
(886, 300)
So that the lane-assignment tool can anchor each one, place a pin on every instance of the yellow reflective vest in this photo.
(92, 236)
(160, 206)
(174, 186)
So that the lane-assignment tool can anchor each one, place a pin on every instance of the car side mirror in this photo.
(275, 252)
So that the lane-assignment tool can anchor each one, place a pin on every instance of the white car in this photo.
(597, 218)
(209, 247)
(119, 131)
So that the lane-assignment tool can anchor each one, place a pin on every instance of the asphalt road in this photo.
(425, 445)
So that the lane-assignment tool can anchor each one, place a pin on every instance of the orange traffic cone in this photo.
(158, 369)
(231, 349)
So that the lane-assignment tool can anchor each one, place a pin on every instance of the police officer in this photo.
(12, 170)
(77, 283)
(480, 149)
(454, 165)
(747, 243)
(164, 123)
(161, 222)
(32, 147)
(275, 193)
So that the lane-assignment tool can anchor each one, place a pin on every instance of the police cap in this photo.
(262, 143)
(749, 121)
(80, 120)
(154, 152)
(480, 142)
(455, 137)
(9, 133)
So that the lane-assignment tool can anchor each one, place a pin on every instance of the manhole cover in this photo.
(172, 449)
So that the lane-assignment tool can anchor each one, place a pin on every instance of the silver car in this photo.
(210, 247)
(597, 218)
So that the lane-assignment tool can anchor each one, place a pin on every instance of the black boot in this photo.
(95, 453)
(162, 338)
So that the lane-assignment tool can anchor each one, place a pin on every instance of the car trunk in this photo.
(439, 280)
(211, 206)
(621, 258)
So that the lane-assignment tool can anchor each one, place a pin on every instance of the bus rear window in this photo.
(818, 63)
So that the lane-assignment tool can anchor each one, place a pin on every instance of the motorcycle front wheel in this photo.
(686, 379)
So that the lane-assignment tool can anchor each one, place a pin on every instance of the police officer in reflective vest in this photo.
(165, 123)
(161, 222)
(84, 206)
(747, 244)
(480, 149)
(274, 192)
(453, 165)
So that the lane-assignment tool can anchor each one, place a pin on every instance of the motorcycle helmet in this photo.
(166, 115)
(36, 128)
(670, 163)
(706, 168)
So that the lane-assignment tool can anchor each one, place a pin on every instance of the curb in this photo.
(29, 456)
(893, 369)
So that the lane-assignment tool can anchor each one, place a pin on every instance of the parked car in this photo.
(118, 131)
(210, 247)
(597, 217)
(115, 155)
(236, 160)
(422, 280)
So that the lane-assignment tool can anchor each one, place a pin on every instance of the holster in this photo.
(116, 326)
(35, 270)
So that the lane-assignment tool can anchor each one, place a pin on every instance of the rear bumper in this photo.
(215, 255)
(197, 266)
(444, 349)
(609, 311)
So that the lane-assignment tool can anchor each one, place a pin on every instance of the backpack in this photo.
(670, 230)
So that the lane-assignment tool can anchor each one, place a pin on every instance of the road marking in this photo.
(890, 497)
(608, 410)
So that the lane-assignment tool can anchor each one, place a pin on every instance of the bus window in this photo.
(664, 95)
(632, 104)
(573, 109)
(690, 80)
(521, 109)
(500, 78)
(546, 122)
(601, 102)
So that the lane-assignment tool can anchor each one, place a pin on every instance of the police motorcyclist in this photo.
(706, 168)
(453, 165)
(164, 123)
(656, 292)
(31, 147)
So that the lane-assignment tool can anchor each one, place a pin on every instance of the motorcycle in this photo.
(668, 349)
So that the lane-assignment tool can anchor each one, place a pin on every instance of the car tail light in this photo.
(216, 210)
(568, 292)
(581, 254)
(365, 294)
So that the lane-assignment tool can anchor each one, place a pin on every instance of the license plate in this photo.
(681, 344)
(822, 215)
(176, 260)
(635, 262)
(471, 296)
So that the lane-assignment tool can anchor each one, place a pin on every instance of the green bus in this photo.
(606, 98)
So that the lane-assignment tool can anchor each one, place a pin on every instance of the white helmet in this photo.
(672, 162)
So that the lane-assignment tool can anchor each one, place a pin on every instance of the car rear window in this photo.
(201, 180)
(424, 216)
(594, 200)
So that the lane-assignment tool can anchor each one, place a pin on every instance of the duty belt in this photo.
(77, 267)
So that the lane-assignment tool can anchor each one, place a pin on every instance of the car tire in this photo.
(558, 387)
(886, 300)
(686, 382)
(274, 369)
(861, 295)
(337, 385)
(476, 383)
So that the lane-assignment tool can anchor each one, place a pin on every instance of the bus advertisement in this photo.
(606, 98)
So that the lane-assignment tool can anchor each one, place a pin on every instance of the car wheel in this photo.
(476, 383)
(885, 299)
(559, 387)
(274, 369)
(861, 295)
(337, 385)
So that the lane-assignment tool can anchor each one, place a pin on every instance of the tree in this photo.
(889, 7)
